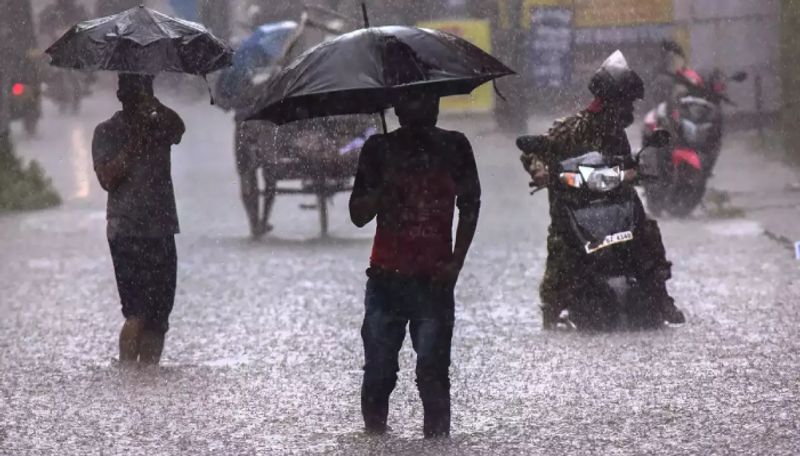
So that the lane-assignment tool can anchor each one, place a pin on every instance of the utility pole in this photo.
(509, 45)
(5, 115)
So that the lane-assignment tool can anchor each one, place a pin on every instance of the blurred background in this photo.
(732, 35)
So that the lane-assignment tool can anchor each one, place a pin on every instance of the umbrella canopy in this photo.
(257, 52)
(264, 46)
(365, 71)
(141, 40)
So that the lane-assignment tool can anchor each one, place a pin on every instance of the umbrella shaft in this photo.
(364, 12)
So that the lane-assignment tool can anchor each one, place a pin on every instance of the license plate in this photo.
(612, 239)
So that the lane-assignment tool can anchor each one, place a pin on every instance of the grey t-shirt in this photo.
(143, 205)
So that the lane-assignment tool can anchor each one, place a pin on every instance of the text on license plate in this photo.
(610, 240)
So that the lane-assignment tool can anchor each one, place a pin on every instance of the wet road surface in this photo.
(264, 353)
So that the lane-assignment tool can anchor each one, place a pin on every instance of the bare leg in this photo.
(270, 188)
(129, 341)
(151, 347)
(250, 198)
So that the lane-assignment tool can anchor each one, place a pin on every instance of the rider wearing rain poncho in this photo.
(600, 127)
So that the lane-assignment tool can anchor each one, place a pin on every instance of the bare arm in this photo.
(468, 202)
(173, 128)
(364, 208)
(111, 172)
(162, 122)
(365, 199)
(465, 232)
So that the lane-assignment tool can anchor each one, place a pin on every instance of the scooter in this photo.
(696, 122)
(603, 220)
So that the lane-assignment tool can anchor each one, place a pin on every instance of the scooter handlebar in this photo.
(533, 144)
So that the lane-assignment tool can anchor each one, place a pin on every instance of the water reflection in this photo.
(81, 163)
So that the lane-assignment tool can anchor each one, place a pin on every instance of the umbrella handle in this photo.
(497, 91)
(210, 93)
(364, 13)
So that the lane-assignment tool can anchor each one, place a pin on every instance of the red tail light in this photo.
(692, 76)
(18, 89)
(687, 156)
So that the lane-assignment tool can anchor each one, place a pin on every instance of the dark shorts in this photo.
(146, 272)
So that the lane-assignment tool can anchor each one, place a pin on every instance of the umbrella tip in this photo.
(210, 92)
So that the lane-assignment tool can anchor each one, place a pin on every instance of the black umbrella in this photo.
(141, 40)
(365, 71)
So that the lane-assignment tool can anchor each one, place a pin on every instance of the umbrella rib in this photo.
(111, 54)
(483, 78)
(160, 27)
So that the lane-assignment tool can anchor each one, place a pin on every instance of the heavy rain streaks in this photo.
(265, 348)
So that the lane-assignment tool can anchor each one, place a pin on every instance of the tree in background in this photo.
(21, 187)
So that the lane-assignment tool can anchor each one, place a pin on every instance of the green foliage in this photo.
(21, 187)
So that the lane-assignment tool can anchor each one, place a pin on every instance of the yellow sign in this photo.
(479, 33)
(683, 37)
(615, 13)
(608, 13)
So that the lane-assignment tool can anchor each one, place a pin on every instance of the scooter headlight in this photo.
(604, 179)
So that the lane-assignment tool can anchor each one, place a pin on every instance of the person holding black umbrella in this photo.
(411, 180)
(131, 153)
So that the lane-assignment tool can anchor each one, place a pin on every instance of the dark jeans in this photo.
(391, 303)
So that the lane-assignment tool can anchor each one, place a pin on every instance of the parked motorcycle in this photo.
(597, 196)
(695, 120)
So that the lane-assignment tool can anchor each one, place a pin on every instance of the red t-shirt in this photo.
(425, 172)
